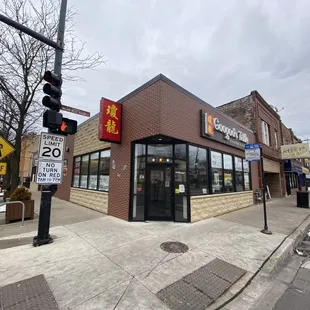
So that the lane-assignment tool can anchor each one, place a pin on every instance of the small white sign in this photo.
(49, 172)
(182, 188)
(252, 152)
(51, 147)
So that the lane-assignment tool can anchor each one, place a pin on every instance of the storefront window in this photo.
(159, 153)
(180, 183)
(84, 171)
(76, 172)
(198, 177)
(104, 170)
(239, 174)
(246, 175)
(139, 183)
(217, 172)
(93, 171)
(228, 173)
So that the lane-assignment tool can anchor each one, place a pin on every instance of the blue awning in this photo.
(292, 165)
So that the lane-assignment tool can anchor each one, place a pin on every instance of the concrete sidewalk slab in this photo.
(108, 263)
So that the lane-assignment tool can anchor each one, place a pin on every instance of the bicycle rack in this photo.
(23, 212)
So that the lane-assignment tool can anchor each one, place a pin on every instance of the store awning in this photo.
(305, 170)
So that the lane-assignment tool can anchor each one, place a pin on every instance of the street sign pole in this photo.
(265, 230)
(48, 191)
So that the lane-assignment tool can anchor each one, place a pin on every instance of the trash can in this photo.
(303, 199)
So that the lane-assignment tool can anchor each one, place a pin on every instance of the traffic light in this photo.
(68, 126)
(53, 89)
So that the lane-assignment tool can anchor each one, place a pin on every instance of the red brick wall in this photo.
(141, 118)
(158, 109)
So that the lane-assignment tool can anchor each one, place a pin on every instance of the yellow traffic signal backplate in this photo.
(6, 148)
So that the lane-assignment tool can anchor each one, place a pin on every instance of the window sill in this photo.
(223, 194)
(89, 190)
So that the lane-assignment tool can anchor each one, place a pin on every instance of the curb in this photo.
(274, 262)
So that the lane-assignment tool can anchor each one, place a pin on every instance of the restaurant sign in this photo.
(110, 121)
(217, 129)
(295, 151)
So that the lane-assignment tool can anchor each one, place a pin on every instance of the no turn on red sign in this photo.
(49, 172)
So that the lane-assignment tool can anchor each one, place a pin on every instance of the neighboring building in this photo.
(255, 113)
(28, 141)
(180, 159)
(295, 170)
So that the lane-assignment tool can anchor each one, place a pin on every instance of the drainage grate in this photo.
(33, 293)
(174, 247)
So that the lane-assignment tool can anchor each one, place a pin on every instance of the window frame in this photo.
(88, 168)
(265, 132)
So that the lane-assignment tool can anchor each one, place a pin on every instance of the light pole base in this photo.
(266, 231)
(37, 242)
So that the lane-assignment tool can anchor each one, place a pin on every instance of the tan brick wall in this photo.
(203, 207)
(86, 138)
(91, 199)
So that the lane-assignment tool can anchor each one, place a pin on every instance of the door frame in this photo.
(163, 167)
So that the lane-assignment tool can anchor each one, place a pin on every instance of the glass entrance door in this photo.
(159, 193)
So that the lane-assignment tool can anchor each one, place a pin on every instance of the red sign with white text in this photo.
(110, 121)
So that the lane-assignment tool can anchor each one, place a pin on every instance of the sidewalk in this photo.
(106, 263)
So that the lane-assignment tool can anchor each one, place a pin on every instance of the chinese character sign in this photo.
(209, 124)
(110, 121)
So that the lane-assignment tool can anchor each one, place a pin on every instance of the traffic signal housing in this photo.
(68, 126)
(53, 90)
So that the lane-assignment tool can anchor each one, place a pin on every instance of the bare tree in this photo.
(23, 61)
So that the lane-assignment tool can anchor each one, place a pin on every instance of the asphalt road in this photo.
(297, 295)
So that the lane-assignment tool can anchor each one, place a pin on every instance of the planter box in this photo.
(14, 211)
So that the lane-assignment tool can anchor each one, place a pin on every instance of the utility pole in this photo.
(48, 191)
(53, 118)
(265, 230)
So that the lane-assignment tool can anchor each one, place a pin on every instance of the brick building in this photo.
(179, 159)
(294, 169)
(255, 113)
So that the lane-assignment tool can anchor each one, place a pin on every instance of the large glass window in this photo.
(198, 177)
(228, 173)
(139, 183)
(104, 170)
(84, 171)
(217, 172)
(239, 174)
(159, 153)
(180, 183)
(76, 172)
(246, 175)
(92, 171)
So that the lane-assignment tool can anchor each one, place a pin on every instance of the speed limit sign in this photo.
(52, 147)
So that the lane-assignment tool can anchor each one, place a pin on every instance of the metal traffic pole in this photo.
(265, 230)
(48, 191)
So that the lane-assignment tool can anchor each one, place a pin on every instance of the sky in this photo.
(218, 50)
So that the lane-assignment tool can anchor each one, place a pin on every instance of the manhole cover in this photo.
(174, 247)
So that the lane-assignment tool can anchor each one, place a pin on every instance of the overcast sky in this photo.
(218, 50)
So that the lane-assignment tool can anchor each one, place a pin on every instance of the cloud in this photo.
(220, 51)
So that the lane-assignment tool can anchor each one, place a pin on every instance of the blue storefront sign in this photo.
(252, 152)
(293, 165)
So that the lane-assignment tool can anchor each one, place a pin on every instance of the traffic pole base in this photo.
(38, 242)
(266, 231)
